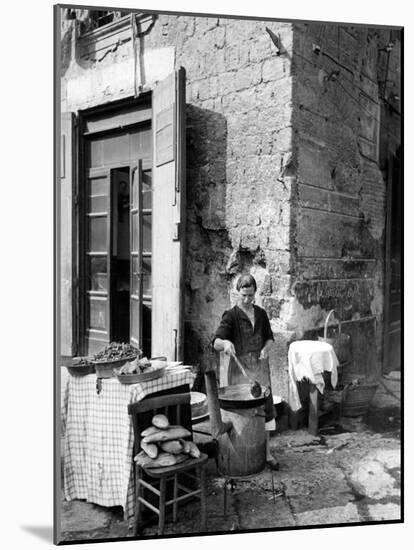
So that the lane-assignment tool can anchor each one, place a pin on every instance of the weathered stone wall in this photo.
(339, 216)
(238, 138)
(283, 174)
(239, 107)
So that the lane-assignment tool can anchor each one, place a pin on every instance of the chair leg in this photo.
(138, 506)
(175, 504)
(163, 492)
(202, 471)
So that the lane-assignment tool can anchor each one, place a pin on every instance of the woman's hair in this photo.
(246, 281)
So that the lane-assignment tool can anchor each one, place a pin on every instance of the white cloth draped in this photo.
(309, 359)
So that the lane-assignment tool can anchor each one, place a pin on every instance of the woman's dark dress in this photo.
(248, 342)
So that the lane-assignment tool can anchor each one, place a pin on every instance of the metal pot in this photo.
(238, 424)
(239, 397)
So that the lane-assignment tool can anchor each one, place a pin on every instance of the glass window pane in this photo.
(146, 277)
(98, 234)
(135, 233)
(141, 144)
(97, 313)
(146, 232)
(95, 153)
(116, 148)
(135, 319)
(98, 186)
(135, 189)
(98, 274)
(147, 190)
(135, 276)
(98, 204)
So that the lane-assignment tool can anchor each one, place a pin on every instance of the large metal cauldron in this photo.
(242, 449)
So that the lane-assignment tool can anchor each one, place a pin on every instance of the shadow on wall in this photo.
(207, 242)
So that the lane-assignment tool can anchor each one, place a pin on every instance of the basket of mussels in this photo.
(108, 361)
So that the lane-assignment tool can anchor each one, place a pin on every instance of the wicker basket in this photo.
(357, 398)
(341, 343)
(80, 366)
(107, 369)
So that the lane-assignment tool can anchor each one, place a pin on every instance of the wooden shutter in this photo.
(98, 259)
(67, 187)
(135, 224)
(168, 215)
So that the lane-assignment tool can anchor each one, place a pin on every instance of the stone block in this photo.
(370, 479)
(325, 516)
(368, 149)
(313, 165)
(369, 116)
(259, 49)
(350, 295)
(274, 69)
(384, 512)
(231, 56)
(328, 235)
(278, 238)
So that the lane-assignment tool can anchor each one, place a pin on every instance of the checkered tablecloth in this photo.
(99, 438)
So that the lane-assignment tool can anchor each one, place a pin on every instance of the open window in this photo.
(130, 226)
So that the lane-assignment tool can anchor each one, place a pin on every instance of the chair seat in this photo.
(176, 468)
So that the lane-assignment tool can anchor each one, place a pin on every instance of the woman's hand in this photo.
(264, 354)
(228, 347)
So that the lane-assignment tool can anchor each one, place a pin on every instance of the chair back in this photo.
(176, 407)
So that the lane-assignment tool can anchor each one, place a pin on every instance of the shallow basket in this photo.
(105, 369)
(136, 378)
(75, 369)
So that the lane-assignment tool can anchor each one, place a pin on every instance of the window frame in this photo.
(112, 123)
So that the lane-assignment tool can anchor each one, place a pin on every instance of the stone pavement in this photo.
(347, 477)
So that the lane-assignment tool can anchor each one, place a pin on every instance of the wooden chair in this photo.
(177, 409)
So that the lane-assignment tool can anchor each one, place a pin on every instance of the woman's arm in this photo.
(223, 339)
(224, 345)
(268, 337)
(264, 354)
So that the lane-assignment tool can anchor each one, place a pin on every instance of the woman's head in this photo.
(246, 287)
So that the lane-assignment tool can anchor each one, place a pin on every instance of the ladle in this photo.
(255, 388)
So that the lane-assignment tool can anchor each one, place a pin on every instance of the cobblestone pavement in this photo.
(342, 478)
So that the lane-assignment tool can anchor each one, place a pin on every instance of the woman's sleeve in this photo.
(225, 330)
(267, 330)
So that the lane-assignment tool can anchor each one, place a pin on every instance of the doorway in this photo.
(120, 255)
(116, 237)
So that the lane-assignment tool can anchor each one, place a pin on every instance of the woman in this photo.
(245, 331)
